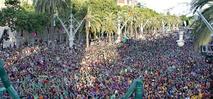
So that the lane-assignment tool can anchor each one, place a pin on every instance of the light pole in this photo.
(6, 82)
(70, 28)
(181, 41)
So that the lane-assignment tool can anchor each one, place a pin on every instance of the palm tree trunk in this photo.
(119, 35)
(141, 30)
(154, 31)
(125, 31)
(163, 27)
(110, 38)
(87, 36)
(99, 37)
(102, 36)
(136, 33)
(169, 27)
(131, 30)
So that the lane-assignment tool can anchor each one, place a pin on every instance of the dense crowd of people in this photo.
(105, 71)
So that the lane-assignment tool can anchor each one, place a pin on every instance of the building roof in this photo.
(127, 2)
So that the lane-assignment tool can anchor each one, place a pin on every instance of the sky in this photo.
(177, 7)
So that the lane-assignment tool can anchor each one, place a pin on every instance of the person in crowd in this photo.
(56, 71)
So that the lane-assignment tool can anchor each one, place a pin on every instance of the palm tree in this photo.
(50, 6)
(172, 21)
(122, 20)
(202, 33)
(143, 20)
(132, 16)
(196, 4)
(138, 22)
(110, 25)
(93, 24)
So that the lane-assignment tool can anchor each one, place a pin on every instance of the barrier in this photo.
(137, 88)
(6, 82)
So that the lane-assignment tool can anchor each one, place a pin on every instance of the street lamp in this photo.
(181, 42)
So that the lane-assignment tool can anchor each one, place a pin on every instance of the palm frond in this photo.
(196, 4)
(50, 6)
(208, 13)
(202, 36)
(202, 33)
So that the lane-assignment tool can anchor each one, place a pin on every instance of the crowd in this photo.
(105, 71)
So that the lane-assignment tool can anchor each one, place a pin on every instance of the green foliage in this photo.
(22, 18)
(201, 32)
(102, 6)
(27, 7)
(8, 14)
(104, 11)
(110, 24)
(31, 21)
(184, 18)
(79, 8)
(101, 15)
(50, 7)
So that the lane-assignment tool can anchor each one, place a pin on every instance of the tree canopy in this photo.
(22, 17)
(102, 16)
(201, 32)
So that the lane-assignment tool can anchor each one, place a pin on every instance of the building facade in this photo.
(2, 4)
(127, 2)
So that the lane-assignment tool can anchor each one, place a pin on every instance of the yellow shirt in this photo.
(194, 97)
(200, 96)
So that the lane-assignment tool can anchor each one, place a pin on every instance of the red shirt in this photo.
(45, 81)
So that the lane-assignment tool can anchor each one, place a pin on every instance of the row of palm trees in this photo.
(105, 17)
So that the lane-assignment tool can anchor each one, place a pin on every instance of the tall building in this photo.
(127, 2)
